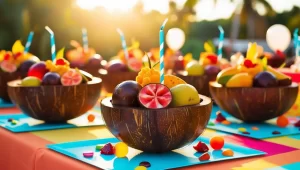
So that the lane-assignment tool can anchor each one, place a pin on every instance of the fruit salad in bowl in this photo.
(54, 92)
(120, 69)
(14, 65)
(154, 117)
(253, 91)
(86, 60)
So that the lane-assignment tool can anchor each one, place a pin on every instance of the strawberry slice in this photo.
(201, 147)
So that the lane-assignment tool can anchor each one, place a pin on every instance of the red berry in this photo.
(201, 147)
(297, 124)
(18, 54)
(204, 157)
(7, 56)
(108, 149)
(60, 62)
(213, 59)
(280, 53)
(220, 117)
(248, 63)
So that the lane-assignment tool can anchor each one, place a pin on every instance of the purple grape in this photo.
(24, 67)
(51, 78)
(116, 66)
(265, 79)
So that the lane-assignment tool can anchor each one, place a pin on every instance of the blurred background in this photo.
(246, 20)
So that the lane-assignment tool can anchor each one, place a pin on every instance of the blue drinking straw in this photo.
(162, 50)
(123, 41)
(52, 43)
(28, 43)
(221, 41)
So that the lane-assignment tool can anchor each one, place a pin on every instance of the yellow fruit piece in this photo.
(226, 74)
(187, 58)
(121, 150)
(277, 74)
(252, 71)
(17, 47)
(252, 52)
(60, 53)
(171, 81)
(240, 80)
(228, 152)
(208, 47)
(184, 95)
(140, 168)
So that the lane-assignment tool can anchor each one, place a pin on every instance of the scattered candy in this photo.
(297, 124)
(241, 129)
(140, 168)
(276, 132)
(14, 122)
(204, 157)
(201, 147)
(282, 121)
(254, 128)
(88, 154)
(108, 149)
(227, 152)
(226, 122)
(217, 142)
(246, 133)
(91, 117)
(145, 164)
(211, 123)
(10, 120)
(220, 117)
(121, 150)
(99, 147)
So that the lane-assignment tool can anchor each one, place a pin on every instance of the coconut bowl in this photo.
(4, 79)
(112, 79)
(55, 104)
(201, 83)
(157, 130)
(254, 104)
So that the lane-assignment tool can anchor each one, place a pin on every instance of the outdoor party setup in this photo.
(157, 109)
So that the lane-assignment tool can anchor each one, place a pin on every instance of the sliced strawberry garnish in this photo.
(60, 62)
(213, 59)
(7, 56)
(201, 147)
(248, 63)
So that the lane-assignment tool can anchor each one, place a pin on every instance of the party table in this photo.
(28, 151)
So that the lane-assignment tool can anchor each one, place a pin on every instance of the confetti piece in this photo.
(91, 117)
(226, 122)
(246, 133)
(10, 120)
(211, 124)
(255, 128)
(204, 157)
(276, 132)
(121, 150)
(145, 164)
(88, 154)
(228, 152)
(140, 168)
(99, 147)
(201, 147)
(297, 124)
(14, 122)
(241, 129)
(220, 117)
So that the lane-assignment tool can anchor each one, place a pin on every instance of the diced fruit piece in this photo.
(121, 150)
(51, 78)
(71, 78)
(88, 154)
(116, 66)
(220, 117)
(265, 79)
(179, 63)
(134, 64)
(240, 80)
(155, 96)
(212, 70)
(126, 94)
(24, 67)
(217, 142)
(228, 152)
(140, 168)
(282, 121)
(204, 157)
(201, 147)
(184, 94)
(145, 164)
(171, 81)
(248, 63)
(38, 70)
(277, 74)
(91, 117)
(7, 66)
(226, 74)
(31, 81)
(252, 70)
(108, 149)
(194, 69)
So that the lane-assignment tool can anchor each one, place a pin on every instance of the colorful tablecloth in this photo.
(27, 151)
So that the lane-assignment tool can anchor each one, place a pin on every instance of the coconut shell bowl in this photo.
(157, 130)
(254, 104)
(112, 79)
(4, 79)
(55, 103)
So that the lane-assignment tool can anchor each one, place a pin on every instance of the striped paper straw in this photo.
(85, 39)
(295, 36)
(221, 41)
(298, 47)
(162, 50)
(52, 43)
(28, 43)
(123, 41)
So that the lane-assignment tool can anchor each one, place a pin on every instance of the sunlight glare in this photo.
(110, 5)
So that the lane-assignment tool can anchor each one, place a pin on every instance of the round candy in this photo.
(228, 152)
(88, 154)
(241, 129)
(282, 121)
(217, 142)
(140, 168)
(121, 150)
(226, 122)
(204, 157)
(91, 117)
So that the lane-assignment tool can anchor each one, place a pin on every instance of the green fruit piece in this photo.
(31, 81)
(224, 80)
(240, 80)
(194, 69)
(184, 94)
(99, 147)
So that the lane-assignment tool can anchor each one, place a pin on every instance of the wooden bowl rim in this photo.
(101, 72)
(205, 102)
(214, 84)
(16, 83)
(184, 73)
